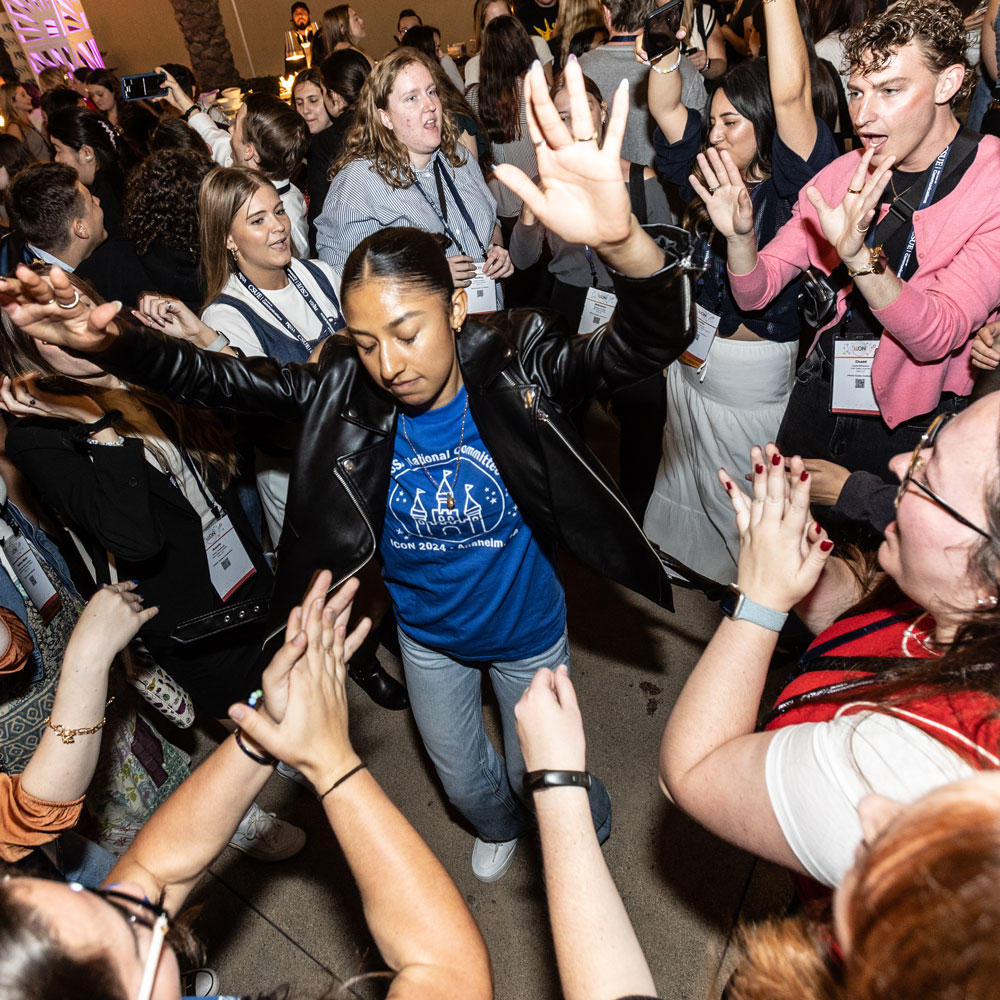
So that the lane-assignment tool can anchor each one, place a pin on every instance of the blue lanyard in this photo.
(442, 211)
(296, 281)
(929, 190)
(590, 261)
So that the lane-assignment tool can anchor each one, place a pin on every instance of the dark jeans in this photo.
(859, 443)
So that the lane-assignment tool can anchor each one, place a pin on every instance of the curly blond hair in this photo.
(370, 140)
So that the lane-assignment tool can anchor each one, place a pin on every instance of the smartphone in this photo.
(143, 85)
(660, 29)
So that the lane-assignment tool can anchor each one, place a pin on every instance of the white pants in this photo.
(712, 424)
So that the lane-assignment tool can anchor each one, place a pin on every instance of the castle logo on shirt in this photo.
(418, 501)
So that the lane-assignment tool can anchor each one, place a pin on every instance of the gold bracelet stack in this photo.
(69, 735)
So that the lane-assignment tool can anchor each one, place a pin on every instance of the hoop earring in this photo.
(234, 255)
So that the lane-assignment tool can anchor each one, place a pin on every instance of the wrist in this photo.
(759, 608)
(329, 769)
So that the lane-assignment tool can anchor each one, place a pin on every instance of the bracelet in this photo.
(83, 431)
(535, 780)
(220, 343)
(185, 116)
(109, 444)
(874, 265)
(69, 735)
(340, 781)
(673, 69)
(707, 66)
(257, 758)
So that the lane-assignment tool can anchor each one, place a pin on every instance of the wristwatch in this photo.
(738, 606)
(186, 115)
(554, 779)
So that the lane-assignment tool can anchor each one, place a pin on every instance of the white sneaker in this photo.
(490, 860)
(200, 983)
(287, 771)
(265, 837)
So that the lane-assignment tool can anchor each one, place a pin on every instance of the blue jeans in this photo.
(446, 698)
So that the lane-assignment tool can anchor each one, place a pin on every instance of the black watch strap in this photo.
(554, 779)
(186, 115)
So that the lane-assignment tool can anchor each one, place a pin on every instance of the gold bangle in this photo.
(69, 735)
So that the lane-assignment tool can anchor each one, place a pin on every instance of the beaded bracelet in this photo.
(672, 69)
(69, 735)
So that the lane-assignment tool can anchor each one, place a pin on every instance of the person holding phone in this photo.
(735, 386)
(703, 41)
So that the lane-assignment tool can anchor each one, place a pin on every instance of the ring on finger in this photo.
(854, 190)
(862, 227)
(539, 144)
(712, 190)
(589, 138)
(73, 304)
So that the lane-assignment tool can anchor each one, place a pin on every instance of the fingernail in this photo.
(816, 527)
(118, 305)
(136, 583)
(237, 712)
(758, 468)
(775, 459)
(572, 57)
(826, 545)
(536, 65)
(729, 485)
(624, 85)
(804, 476)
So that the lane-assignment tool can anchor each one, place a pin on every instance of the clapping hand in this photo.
(549, 724)
(581, 195)
(108, 623)
(782, 550)
(305, 718)
(846, 225)
(724, 192)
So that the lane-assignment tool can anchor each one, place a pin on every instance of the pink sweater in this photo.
(927, 340)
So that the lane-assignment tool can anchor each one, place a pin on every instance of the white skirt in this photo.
(712, 424)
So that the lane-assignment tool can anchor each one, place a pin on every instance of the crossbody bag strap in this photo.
(637, 192)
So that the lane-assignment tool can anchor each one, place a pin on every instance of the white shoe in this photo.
(265, 837)
(287, 771)
(200, 983)
(490, 860)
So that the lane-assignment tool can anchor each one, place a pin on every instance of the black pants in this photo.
(859, 443)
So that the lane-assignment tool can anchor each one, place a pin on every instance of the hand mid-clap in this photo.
(549, 724)
(782, 549)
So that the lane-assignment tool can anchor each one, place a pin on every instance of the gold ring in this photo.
(590, 138)
(854, 190)
(713, 190)
(861, 228)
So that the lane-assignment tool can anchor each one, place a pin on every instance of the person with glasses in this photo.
(61, 940)
(898, 693)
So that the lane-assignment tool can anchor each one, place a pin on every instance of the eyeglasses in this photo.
(917, 462)
(145, 914)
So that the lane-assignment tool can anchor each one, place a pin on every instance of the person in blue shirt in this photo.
(443, 445)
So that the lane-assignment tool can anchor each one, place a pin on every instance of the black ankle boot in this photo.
(381, 687)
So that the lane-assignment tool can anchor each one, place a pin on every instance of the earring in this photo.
(987, 602)
(234, 255)
(89, 158)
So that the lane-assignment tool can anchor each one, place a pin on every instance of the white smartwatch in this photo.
(739, 606)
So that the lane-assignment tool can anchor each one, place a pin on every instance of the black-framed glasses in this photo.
(145, 914)
(917, 462)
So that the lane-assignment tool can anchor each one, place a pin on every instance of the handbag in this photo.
(817, 301)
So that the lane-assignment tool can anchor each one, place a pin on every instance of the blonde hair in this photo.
(576, 16)
(223, 191)
(370, 140)
(10, 115)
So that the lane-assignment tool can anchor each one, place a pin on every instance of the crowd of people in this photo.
(249, 355)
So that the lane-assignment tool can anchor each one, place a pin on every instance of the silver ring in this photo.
(70, 305)
(713, 190)
(590, 138)
(539, 144)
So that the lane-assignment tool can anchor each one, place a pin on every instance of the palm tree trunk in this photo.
(205, 37)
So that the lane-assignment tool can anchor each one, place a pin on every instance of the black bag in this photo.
(219, 621)
(817, 302)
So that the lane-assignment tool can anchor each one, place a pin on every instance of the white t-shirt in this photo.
(817, 772)
(272, 471)
(542, 51)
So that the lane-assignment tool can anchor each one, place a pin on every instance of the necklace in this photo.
(897, 195)
(458, 464)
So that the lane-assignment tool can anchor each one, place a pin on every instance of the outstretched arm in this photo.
(417, 916)
(582, 196)
(788, 73)
(598, 954)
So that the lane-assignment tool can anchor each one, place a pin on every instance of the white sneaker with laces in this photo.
(287, 771)
(265, 837)
(490, 860)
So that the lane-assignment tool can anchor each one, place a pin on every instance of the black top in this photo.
(538, 20)
(324, 148)
(173, 271)
(116, 272)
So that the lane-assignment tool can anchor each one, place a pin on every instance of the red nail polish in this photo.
(775, 459)
(804, 476)
(816, 527)
(759, 468)
(826, 546)
(729, 485)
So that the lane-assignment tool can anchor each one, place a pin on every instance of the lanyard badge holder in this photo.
(21, 560)
(599, 306)
(229, 563)
(297, 283)
(851, 387)
(482, 291)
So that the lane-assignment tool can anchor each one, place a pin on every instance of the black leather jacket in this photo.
(524, 371)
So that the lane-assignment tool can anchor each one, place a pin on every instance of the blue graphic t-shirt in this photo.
(470, 579)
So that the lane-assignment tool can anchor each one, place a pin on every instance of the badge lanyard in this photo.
(442, 211)
(210, 501)
(590, 261)
(296, 281)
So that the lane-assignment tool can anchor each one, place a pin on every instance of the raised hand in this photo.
(581, 196)
(845, 225)
(305, 723)
(782, 550)
(52, 310)
(549, 724)
(725, 194)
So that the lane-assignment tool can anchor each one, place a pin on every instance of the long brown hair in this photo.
(576, 16)
(923, 918)
(370, 140)
(223, 191)
(507, 54)
(337, 26)
(202, 434)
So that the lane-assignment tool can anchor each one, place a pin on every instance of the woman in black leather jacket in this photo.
(451, 456)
